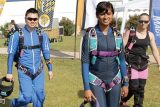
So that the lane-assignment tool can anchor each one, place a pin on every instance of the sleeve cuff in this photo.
(86, 86)
(125, 84)
(49, 67)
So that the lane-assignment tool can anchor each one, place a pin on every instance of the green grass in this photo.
(150, 52)
(67, 44)
(65, 90)
(2, 41)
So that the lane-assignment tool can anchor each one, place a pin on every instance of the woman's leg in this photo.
(99, 94)
(113, 96)
(142, 83)
(130, 92)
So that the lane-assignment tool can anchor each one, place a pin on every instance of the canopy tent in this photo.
(15, 9)
(123, 8)
(11, 11)
(136, 6)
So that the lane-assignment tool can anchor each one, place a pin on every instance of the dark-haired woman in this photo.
(103, 62)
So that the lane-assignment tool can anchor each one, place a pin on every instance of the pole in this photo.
(75, 35)
(150, 8)
(35, 4)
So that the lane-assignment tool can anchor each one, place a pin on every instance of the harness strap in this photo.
(105, 53)
(31, 47)
(21, 40)
(132, 36)
(85, 102)
(107, 87)
(26, 71)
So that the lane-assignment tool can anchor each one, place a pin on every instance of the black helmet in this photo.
(5, 91)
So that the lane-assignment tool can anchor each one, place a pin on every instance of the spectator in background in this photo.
(136, 42)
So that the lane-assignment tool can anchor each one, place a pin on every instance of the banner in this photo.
(46, 11)
(17, 0)
(155, 20)
(2, 2)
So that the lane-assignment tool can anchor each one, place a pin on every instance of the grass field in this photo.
(65, 90)
(2, 41)
(67, 44)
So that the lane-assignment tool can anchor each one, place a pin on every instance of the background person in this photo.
(137, 59)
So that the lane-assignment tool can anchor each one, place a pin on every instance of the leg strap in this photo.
(107, 87)
(26, 71)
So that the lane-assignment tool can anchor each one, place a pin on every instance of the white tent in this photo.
(15, 11)
(123, 8)
(132, 7)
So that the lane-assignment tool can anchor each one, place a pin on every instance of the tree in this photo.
(133, 21)
(116, 23)
(68, 26)
(3, 29)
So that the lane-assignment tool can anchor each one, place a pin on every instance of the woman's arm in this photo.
(154, 48)
(85, 62)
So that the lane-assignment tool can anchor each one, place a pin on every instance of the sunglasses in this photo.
(143, 21)
(30, 19)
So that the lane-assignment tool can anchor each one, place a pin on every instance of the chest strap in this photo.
(25, 70)
(107, 87)
(30, 47)
(105, 53)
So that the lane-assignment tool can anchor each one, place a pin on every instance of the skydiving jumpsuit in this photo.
(104, 68)
(138, 71)
(31, 90)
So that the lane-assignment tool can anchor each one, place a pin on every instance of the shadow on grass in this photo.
(80, 93)
(7, 103)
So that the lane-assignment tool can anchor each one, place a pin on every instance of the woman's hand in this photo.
(50, 74)
(88, 96)
(124, 91)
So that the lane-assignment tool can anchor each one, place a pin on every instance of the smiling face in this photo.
(31, 20)
(105, 18)
(104, 13)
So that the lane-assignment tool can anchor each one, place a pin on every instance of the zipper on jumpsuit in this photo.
(32, 53)
(106, 36)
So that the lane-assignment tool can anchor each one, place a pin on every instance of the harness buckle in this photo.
(2, 101)
(116, 80)
(133, 41)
